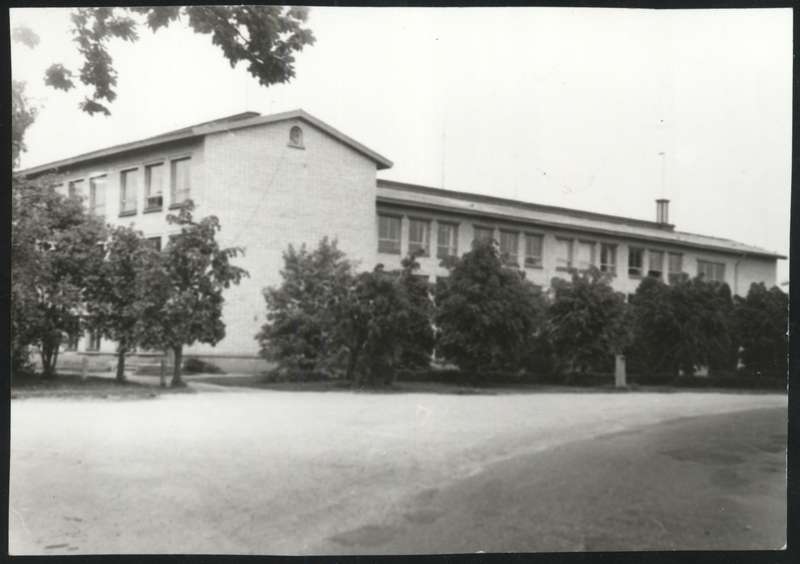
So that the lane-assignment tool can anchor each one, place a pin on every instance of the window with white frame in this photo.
(93, 342)
(711, 271)
(97, 195)
(128, 191)
(154, 187)
(389, 234)
(483, 233)
(635, 262)
(656, 264)
(584, 257)
(509, 247)
(564, 259)
(180, 180)
(608, 258)
(533, 250)
(419, 236)
(447, 241)
(675, 267)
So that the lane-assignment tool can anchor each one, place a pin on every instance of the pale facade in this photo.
(291, 179)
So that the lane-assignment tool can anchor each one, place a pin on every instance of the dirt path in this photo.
(278, 472)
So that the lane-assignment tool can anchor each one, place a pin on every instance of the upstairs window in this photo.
(447, 242)
(584, 258)
(389, 234)
(711, 271)
(128, 191)
(181, 181)
(419, 236)
(97, 196)
(635, 262)
(533, 250)
(509, 247)
(563, 253)
(675, 267)
(483, 233)
(75, 188)
(608, 258)
(656, 268)
(154, 187)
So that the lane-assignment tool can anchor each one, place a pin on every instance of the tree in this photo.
(117, 294)
(185, 288)
(486, 312)
(264, 37)
(585, 321)
(416, 337)
(684, 326)
(299, 333)
(55, 247)
(762, 319)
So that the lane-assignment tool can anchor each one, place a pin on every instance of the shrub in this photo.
(194, 365)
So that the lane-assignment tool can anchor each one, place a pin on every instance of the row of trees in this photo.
(71, 273)
(485, 317)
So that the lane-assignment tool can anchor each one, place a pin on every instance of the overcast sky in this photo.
(559, 106)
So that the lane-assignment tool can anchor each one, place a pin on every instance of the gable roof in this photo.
(227, 123)
(479, 205)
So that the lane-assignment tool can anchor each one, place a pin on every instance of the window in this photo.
(388, 234)
(711, 271)
(509, 247)
(72, 342)
(533, 250)
(128, 189)
(75, 188)
(563, 253)
(181, 182)
(608, 258)
(675, 267)
(93, 344)
(656, 266)
(419, 236)
(154, 243)
(483, 233)
(447, 242)
(97, 196)
(584, 257)
(154, 187)
(635, 262)
(296, 137)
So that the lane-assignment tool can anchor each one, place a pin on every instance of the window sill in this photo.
(152, 210)
(387, 252)
(535, 266)
(295, 146)
(177, 206)
(127, 213)
(563, 268)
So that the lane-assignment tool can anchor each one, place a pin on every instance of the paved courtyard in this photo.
(265, 472)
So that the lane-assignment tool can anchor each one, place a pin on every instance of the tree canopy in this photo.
(266, 38)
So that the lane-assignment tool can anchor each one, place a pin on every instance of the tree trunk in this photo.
(121, 365)
(48, 354)
(177, 360)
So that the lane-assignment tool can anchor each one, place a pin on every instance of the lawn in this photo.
(97, 387)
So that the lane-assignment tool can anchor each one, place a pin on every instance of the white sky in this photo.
(560, 106)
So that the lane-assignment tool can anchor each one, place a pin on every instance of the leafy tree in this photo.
(185, 289)
(55, 247)
(264, 37)
(299, 333)
(585, 321)
(117, 294)
(761, 320)
(684, 326)
(485, 312)
(415, 336)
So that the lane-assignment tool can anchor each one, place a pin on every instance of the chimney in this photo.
(662, 211)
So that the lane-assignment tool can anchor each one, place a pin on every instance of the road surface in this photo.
(265, 472)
